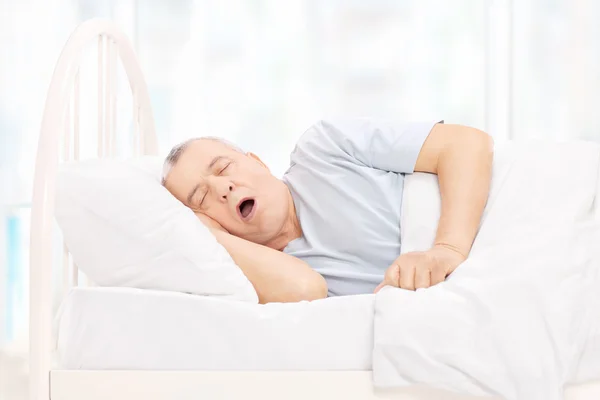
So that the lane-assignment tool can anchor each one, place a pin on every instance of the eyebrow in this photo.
(214, 161)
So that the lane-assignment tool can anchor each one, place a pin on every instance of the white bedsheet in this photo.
(118, 328)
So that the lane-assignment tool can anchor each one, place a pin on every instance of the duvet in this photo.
(520, 318)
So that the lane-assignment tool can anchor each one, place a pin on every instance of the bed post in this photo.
(42, 211)
(56, 115)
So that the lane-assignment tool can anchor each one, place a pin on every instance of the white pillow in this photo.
(421, 209)
(123, 228)
(422, 203)
(557, 180)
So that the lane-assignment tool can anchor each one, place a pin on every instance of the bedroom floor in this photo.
(13, 377)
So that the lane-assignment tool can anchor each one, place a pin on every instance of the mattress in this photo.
(126, 329)
(133, 329)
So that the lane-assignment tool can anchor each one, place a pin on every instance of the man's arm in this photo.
(276, 276)
(462, 158)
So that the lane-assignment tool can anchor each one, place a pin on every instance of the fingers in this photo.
(380, 286)
(422, 278)
(437, 275)
(407, 276)
(411, 271)
(391, 278)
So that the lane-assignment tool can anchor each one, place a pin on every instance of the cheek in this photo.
(253, 180)
(221, 214)
(255, 175)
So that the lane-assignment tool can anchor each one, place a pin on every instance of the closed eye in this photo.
(202, 200)
(224, 168)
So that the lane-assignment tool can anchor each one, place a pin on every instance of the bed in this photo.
(119, 343)
(193, 346)
(207, 333)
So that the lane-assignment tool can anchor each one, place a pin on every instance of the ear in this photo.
(257, 159)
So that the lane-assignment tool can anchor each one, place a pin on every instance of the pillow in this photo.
(421, 209)
(123, 228)
(545, 180)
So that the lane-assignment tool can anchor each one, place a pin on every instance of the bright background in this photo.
(260, 72)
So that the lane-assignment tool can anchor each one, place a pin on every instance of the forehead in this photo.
(203, 151)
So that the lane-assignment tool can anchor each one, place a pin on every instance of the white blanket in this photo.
(519, 319)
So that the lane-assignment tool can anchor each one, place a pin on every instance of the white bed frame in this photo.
(60, 128)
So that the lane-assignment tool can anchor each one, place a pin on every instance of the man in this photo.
(332, 224)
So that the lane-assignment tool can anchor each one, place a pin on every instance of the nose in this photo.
(222, 187)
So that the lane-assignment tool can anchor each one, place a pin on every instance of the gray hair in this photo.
(176, 152)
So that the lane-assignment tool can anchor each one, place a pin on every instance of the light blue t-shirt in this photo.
(346, 179)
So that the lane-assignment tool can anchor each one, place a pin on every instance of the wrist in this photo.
(452, 250)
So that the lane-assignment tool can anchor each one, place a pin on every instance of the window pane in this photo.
(556, 63)
(260, 75)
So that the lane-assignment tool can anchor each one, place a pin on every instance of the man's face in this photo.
(235, 189)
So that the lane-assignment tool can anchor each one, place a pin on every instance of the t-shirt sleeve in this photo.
(382, 144)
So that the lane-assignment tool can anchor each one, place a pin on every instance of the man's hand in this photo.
(209, 222)
(422, 269)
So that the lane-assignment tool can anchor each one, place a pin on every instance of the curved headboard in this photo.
(60, 127)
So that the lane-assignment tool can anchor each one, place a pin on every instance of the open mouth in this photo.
(246, 209)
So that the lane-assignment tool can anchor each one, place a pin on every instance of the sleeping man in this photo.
(331, 225)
